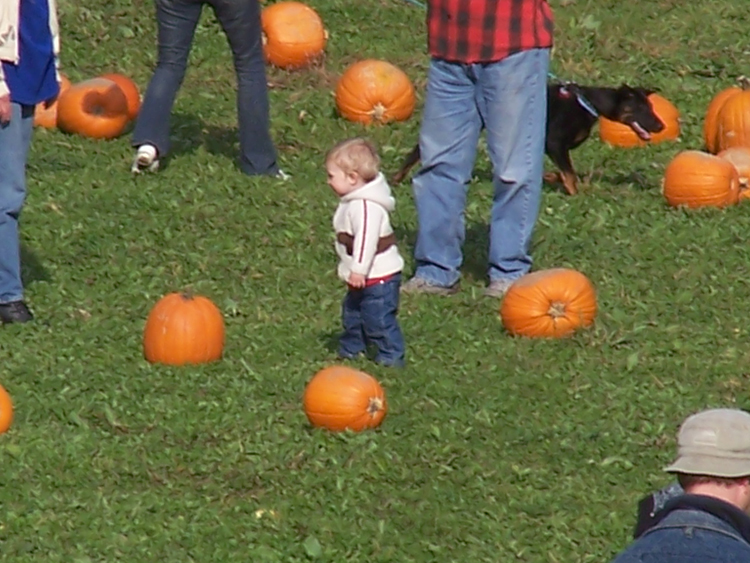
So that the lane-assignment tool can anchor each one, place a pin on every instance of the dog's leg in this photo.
(411, 159)
(570, 181)
(552, 177)
(561, 158)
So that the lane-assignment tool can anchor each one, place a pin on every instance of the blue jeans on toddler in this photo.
(369, 317)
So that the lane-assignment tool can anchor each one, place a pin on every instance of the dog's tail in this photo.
(409, 161)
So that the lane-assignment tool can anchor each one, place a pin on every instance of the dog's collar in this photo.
(582, 101)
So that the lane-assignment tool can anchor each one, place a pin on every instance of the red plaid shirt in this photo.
(474, 31)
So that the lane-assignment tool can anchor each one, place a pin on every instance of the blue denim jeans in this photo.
(508, 99)
(15, 139)
(369, 316)
(240, 20)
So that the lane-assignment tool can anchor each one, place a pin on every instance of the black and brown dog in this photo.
(572, 111)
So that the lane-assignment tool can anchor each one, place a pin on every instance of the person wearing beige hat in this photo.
(705, 519)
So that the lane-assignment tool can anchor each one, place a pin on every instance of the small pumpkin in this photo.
(6, 410)
(293, 34)
(340, 398)
(712, 114)
(374, 91)
(698, 179)
(549, 304)
(95, 108)
(740, 159)
(733, 119)
(130, 89)
(47, 116)
(183, 328)
(621, 135)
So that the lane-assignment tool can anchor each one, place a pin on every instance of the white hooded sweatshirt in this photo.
(363, 216)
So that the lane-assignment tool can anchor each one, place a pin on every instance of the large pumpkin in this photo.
(293, 34)
(549, 304)
(712, 114)
(130, 89)
(733, 119)
(339, 398)
(183, 329)
(47, 116)
(698, 179)
(621, 135)
(6, 410)
(95, 108)
(375, 91)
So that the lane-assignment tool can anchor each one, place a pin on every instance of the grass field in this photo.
(494, 449)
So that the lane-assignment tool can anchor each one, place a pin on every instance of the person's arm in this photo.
(54, 27)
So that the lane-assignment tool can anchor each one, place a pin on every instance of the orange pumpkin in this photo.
(375, 91)
(293, 34)
(47, 116)
(698, 179)
(549, 304)
(621, 135)
(339, 398)
(95, 108)
(6, 410)
(733, 119)
(130, 89)
(712, 114)
(740, 159)
(183, 329)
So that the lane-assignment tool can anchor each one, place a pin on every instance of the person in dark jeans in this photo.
(705, 519)
(177, 20)
(369, 260)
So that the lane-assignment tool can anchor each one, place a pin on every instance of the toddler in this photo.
(369, 260)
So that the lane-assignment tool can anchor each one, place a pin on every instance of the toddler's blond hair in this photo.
(358, 156)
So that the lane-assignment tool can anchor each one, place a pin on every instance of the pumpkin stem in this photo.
(378, 111)
(187, 294)
(375, 406)
(556, 310)
(744, 83)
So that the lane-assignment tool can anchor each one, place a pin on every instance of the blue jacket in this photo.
(693, 529)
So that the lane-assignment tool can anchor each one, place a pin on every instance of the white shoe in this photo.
(281, 175)
(146, 158)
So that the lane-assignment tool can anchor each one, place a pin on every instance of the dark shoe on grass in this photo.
(15, 312)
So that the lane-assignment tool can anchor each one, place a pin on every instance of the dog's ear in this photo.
(642, 91)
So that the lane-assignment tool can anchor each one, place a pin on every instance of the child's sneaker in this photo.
(146, 158)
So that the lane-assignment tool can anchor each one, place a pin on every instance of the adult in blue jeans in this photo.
(707, 520)
(488, 71)
(29, 44)
(177, 20)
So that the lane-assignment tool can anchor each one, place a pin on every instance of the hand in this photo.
(5, 109)
(50, 102)
(356, 280)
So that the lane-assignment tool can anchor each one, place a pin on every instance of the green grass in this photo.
(494, 449)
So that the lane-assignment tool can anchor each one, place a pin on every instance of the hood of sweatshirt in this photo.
(377, 191)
